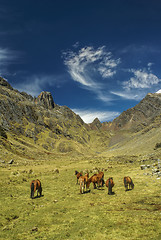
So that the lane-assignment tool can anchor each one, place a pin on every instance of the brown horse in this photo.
(96, 179)
(101, 178)
(78, 175)
(110, 184)
(128, 183)
(35, 185)
(83, 182)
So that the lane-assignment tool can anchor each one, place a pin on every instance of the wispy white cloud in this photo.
(31, 85)
(141, 79)
(128, 95)
(35, 84)
(88, 64)
(141, 82)
(89, 115)
(7, 57)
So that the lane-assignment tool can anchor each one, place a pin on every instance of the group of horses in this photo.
(98, 181)
(85, 181)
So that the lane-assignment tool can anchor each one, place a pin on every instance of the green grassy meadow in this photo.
(63, 213)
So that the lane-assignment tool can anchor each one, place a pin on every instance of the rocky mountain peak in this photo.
(96, 124)
(4, 83)
(45, 99)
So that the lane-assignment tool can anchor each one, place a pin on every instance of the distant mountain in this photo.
(141, 115)
(39, 123)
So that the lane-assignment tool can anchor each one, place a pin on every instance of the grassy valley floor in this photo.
(63, 213)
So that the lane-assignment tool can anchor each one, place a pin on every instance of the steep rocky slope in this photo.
(141, 115)
(42, 122)
(30, 125)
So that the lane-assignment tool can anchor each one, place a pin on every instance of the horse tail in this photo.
(32, 189)
(103, 182)
(125, 182)
(40, 189)
(109, 187)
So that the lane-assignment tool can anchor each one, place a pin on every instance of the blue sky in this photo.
(99, 58)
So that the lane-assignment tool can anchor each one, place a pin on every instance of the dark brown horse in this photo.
(110, 184)
(128, 183)
(96, 179)
(35, 185)
(83, 182)
(78, 175)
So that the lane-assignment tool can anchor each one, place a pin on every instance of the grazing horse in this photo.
(35, 185)
(96, 179)
(128, 183)
(78, 175)
(100, 175)
(110, 184)
(83, 182)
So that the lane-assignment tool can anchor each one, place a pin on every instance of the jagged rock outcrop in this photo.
(40, 119)
(4, 83)
(45, 99)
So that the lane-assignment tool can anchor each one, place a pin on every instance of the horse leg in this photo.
(81, 187)
(85, 185)
(109, 188)
(98, 184)
(126, 187)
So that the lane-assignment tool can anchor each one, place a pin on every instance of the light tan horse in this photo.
(78, 175)
(83, 183)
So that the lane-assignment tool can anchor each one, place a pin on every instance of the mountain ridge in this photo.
(40, 121)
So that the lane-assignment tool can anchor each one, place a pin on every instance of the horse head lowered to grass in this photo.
(35, 185)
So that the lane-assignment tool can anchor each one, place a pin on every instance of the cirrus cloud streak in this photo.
(91, 68)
